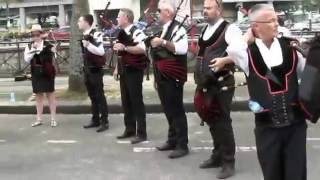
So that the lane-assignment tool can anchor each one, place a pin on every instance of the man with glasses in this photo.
(272, 67)
(211, 103)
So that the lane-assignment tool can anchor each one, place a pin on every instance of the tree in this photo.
(80, 7)
(7, 2)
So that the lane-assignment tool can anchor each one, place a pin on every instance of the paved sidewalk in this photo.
(23, 103)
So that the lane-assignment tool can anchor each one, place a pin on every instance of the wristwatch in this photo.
(125, 48)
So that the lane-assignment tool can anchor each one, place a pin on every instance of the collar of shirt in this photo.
(87, 31)
(211, 29)
(165, 28)
(272, 56)
(128, 28)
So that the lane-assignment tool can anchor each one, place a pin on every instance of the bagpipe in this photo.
(23, 74)
(159, 50)
(309, 89)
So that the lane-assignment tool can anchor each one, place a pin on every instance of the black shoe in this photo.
(91, 125)
(166, 147)
(226, 171)
(103, 127)
(126, 134)
(211, 163)
(179, 152)
(138, 139)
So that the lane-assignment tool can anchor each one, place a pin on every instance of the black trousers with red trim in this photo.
(171, 97)
(132, 101)
(282, 151)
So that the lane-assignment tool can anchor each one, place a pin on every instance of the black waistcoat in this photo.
(91, 60)
(212, 48)
(276, 90)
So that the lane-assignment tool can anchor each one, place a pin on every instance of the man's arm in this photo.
(96, 48)
(179, 44)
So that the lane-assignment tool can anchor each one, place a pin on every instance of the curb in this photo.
(113, 108)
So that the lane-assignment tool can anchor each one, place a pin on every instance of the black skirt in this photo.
(42, 84)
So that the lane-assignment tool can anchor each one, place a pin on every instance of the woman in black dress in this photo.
(40, 54)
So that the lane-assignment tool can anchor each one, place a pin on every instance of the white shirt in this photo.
(97, 50)
(138, 35)
(233, 36)
(180, 41)
(271, 56)
(29, 53)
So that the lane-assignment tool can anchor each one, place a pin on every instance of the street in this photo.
(70, 152)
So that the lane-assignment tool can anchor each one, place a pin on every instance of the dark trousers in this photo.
(171, 97)
(132, 101)
(282, 151)
(94, 84)
(221, 130)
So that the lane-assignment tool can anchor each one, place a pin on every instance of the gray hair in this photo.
(168, 5)
(129, 13)
(256, 9)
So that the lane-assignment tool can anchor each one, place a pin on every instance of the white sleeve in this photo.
(98, 48)
(139, 36)
(180, 41)
(28, 54)
(142, 45)
(237, 47)
(301, 64)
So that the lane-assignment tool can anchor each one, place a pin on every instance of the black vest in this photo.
(91, 60)
(131, 60)
(209, 49)
(276, 90)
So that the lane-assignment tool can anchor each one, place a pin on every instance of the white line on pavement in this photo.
(3, 140)
(61, 141)
(313, 139)
(197, 149)
(123, 142)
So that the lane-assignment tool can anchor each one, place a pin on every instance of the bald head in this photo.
(212, 10)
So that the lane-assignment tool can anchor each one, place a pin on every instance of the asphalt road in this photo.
(69, 152)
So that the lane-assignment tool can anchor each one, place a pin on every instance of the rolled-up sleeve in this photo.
(180, 41)
(28, 54)
(97, 48)
(237, 47)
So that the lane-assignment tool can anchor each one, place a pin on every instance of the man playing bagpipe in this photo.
(168, 53)
(130, 67)
(93, 62)
(212, 103)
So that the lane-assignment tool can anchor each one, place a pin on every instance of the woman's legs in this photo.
(52, 105)
(39, 105)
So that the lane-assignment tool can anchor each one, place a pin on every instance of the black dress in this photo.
(42, 70)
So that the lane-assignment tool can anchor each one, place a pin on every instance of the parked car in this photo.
(305, 25)
(62, 33)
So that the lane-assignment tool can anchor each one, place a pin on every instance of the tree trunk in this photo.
(76, 82)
